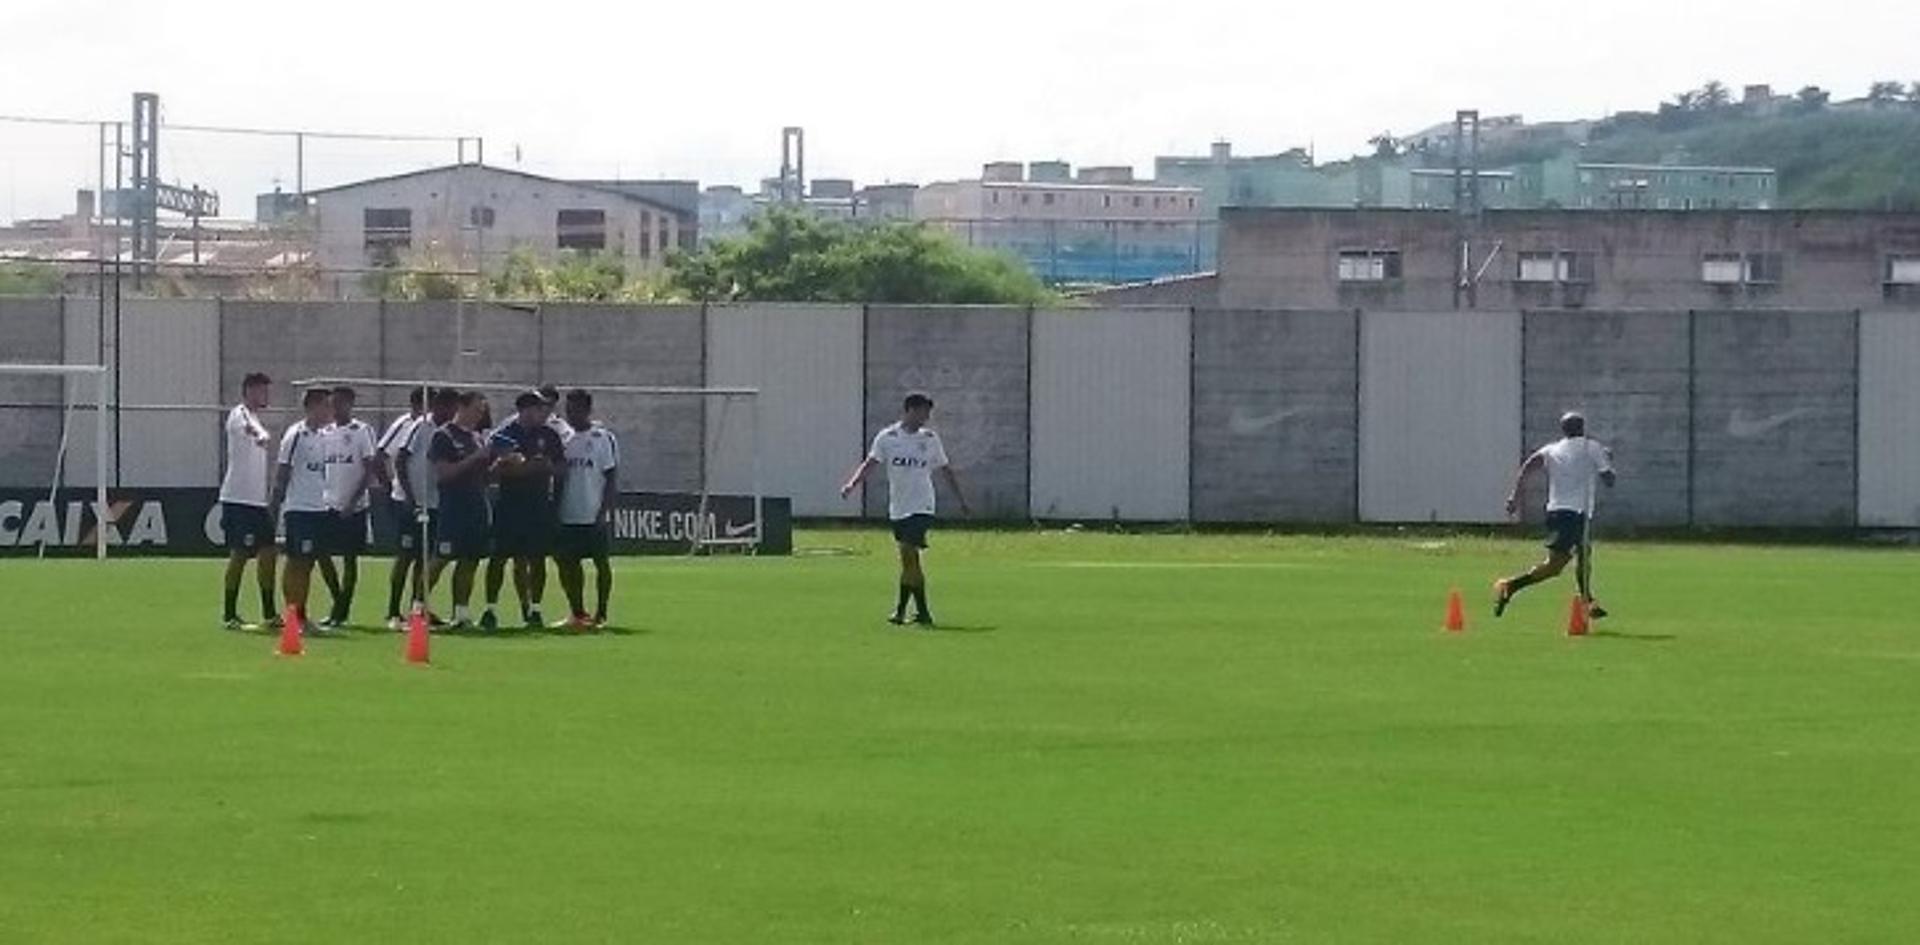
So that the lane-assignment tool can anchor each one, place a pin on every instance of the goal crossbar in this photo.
(98, 374)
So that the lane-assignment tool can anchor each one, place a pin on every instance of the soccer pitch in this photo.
(1116, 739)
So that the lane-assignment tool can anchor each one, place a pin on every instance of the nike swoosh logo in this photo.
(1245, 423)
(735, 531)
(1742, 426)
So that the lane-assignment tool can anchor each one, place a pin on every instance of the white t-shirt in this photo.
(349, 446)
(590, 456)
(1572, 466)
(420, 477)
(305, 452)
(246, 482)
(910, 459)
(389, 447)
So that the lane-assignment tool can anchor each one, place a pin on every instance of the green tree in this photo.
(1812, 98)
(794, 256)
(1714, 96)
(1884, 93)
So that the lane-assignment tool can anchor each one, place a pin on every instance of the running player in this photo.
(529, 455)
(300, 490)
(353, 471)
(587, 491)
(1572, 463)
(244, 500)
(460, 462)
(911, 451)
(391, 444)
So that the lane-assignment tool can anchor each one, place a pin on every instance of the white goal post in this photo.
(711, 440)
(98, 374)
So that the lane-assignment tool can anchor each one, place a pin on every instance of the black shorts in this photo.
(912, 531)
(248, 528)
(1566, 531)
(349, 533)
(522, 531)
(580, 542)
(406, 522)
(310, 534)
(461, 533)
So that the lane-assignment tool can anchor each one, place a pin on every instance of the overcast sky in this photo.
(902, 91)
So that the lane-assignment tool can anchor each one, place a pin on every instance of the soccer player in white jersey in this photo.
(244, 499)
(414, 473)
(353, 472)
(300, 490)
(587, 490)
(1573, 465)
(910, 451)
(391, 443)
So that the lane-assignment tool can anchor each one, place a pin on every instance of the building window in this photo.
(581, 229)
(1369, 265)
(1741, 268)
(1046, 200)
(388, 232)
(1138, 202)
(1903, 270)
(480, 217)
(996, 196)
(1106, 200)
(1026, 199)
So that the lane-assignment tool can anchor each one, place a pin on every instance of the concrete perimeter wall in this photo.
(1739, 418)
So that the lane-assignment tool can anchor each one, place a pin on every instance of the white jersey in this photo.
(304, 451)
(1572, 466)
(349, 446)
(591, 454)
(561, 427)
(389, 447)
(420, 477)
(910, 459)
(248, 457)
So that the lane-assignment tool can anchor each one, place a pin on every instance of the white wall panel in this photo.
(1439, 415)
(806, 361)
(1890, 419)
(170, 354)
(1111, 391)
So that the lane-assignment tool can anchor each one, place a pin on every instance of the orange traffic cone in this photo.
(290, 632)
(1577, 617)
(417, 635)
(1456, 613)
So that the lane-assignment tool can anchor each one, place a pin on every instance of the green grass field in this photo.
(1118, 739)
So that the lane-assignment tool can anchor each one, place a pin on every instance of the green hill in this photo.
(1830, 159)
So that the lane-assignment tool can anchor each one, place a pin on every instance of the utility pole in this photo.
(1466, 204)
(146, 183)
(793, 165)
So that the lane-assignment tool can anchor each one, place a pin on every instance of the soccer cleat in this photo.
(1595, 611)
(396, 624)
(273, 622)
(578, 623)
(599, 620)
(1502, 596)
(458, 626)
(488, 622)
(924, 620)
(897, 618)
(534, 621)
(233, 622)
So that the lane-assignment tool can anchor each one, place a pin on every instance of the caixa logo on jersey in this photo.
(162, 521)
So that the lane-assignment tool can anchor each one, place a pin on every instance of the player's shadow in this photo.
(1635, 637)
(961, 628)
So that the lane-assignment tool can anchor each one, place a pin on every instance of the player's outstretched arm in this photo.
(858, 476)
(1532, 463)
(953, 482)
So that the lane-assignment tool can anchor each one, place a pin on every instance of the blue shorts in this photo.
(1566, 530)
(522, 531)
(406, 521)
(248, 528)
(581, 542)
(310, 534)
(911, 532)
(349, 533)
(462, 533)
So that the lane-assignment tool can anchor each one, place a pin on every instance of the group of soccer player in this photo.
(463, 492)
